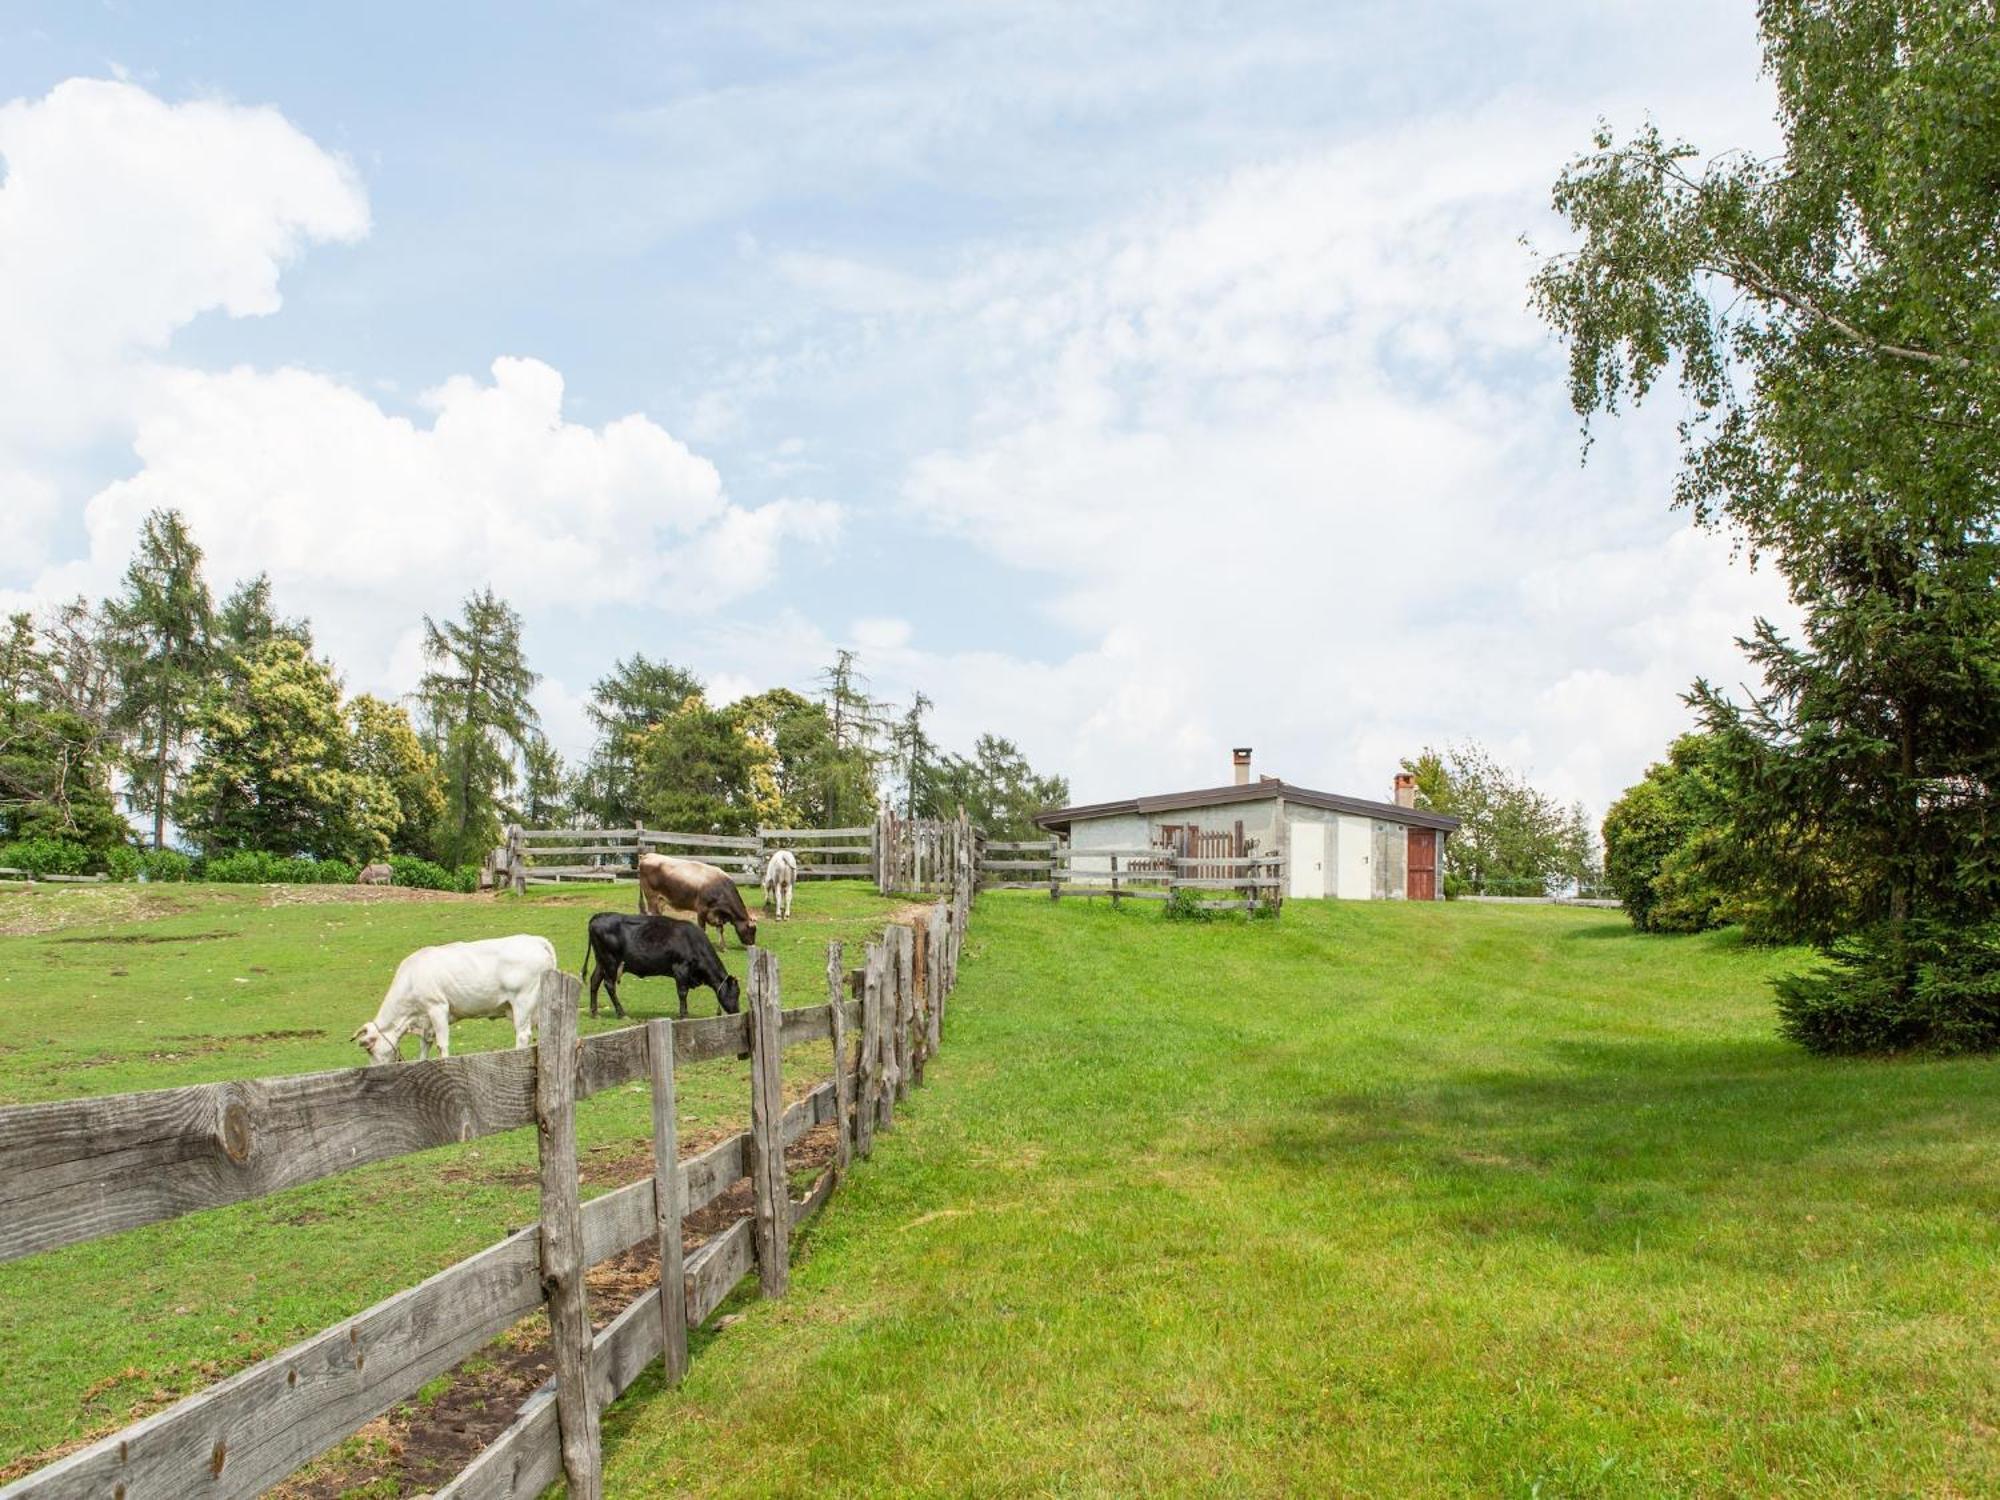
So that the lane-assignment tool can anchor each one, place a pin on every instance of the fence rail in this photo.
(1133, 873)
(81, 1169)
(554, 856)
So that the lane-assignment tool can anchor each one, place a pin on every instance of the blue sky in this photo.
(1136, 380)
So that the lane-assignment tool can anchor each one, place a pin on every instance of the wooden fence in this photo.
(915, 856)
(553, 856)
(1133, 874)
(80, 1169)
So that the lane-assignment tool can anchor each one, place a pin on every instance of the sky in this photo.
(1136, 381)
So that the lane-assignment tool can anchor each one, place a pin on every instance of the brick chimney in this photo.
(1406, 789)
(1242, 757)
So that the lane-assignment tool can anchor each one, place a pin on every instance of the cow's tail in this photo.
(583, 972)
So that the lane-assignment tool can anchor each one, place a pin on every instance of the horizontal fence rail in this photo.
(556, 856)
(81, 1169)
(1133, 873)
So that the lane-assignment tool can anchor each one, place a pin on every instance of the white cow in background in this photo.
(781, 873)
(435, 986)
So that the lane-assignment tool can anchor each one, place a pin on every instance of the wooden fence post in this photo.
(562, 1235)
(843, 1080)
(883, 1017)
(667, 1198)
(772, 1193)
(905, 940)
(517, 861)
(1114, 882)
(940, 933)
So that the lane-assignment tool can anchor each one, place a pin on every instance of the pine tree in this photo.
(636, 694)
(475, 699)
(159, 630)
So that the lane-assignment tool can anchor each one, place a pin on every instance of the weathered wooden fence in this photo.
(918, 855)
(1151, 874)
(80, 1169)
(553, 856)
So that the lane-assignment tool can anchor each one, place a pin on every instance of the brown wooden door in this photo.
(1423, 864)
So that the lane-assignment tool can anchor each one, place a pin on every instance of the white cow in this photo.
(435, 986)
(781, 873)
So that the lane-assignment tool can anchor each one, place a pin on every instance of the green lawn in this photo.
(149, 987)
(1376, 1199)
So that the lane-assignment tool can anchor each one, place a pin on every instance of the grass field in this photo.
(137, 987)
(1373, 1199)
(1382, 1200)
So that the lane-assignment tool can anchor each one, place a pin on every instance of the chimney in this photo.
(1242, 755)
(1406, 789)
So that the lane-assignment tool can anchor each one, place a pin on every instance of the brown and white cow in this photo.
(694, 892)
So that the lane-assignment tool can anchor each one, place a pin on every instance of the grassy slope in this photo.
(94, 1332)
(1382, 1199)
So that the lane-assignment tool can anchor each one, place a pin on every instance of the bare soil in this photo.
(419, 1445)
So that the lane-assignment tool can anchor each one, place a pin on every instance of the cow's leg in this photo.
(441, 1027)
(682, 985)
(524, 1023)
(596, 979)
(612, 985)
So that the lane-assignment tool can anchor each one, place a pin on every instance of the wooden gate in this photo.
(1423, 864)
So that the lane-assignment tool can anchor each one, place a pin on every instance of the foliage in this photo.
(549, 792)
(1865, 998)
(997, 787)
(158, 632)
(811, 779)
(164, 865)
(1833, 320)
(274, 771)
(475, 697)
(53, 775)
(1511, 839)
(857, 722)
(422, 875)
(1655, 835)
(44, 856)
(1185, 905)
(636, 694)
(257, 867)
(699, 771)
(384, 749)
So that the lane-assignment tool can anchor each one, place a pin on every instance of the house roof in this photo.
(1059, 819)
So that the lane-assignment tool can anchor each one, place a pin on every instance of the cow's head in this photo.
(746, 932)
(380, 1045)
(729, 994)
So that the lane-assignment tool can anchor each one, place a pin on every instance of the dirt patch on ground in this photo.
(367, 895)
(421, 1444)
(123, 938)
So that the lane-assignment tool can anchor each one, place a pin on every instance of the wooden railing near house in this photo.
(1149, 874)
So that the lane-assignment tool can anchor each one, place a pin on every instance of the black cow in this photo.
(652, 947)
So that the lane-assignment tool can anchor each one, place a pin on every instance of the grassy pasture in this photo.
(124, 987)
(1379, 1200)
(1374, 1199)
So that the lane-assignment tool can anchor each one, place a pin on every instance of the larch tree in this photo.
(158, 630)
(475, 699)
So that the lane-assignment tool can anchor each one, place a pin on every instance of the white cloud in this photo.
(1299, 463)
(122, 218)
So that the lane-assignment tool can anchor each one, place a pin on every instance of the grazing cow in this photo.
(650, 948)
(376, 874)
(435, 986)
(694, 892)
(781, 873)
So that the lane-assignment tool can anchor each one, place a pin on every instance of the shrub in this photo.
(256, 867)
(40, 857)
(1185, 905)
(1937, 990)
(422, 875)
(165, 865)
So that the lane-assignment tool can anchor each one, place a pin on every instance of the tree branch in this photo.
(1748, 274)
